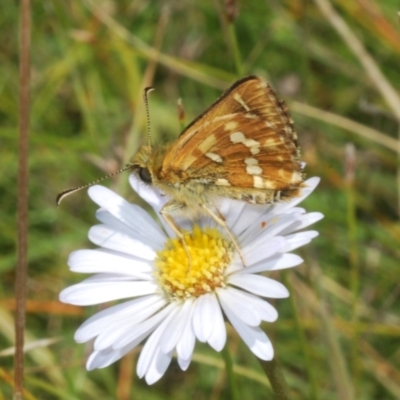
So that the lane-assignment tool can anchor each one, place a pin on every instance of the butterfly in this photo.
(243, 147)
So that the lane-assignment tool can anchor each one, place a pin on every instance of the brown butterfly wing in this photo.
(244, 140)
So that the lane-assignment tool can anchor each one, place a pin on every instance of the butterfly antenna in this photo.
(146, 104)
(67, 192)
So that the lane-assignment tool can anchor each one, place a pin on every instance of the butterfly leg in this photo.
(165, 212)
(219, 219)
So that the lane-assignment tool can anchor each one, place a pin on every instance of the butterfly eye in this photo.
(144, 175)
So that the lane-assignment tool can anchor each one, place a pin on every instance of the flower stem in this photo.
(22, 205)
(276, 378)
(234, 392)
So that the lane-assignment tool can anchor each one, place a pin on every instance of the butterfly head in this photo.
(147, 162)
(142, 164)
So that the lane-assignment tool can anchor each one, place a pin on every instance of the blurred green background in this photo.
(335, 62)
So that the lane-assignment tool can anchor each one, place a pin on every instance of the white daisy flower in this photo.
(169, 303)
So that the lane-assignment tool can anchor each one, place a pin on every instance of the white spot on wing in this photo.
(261, 183)
(258, 182)
(251, 161)
(251, 143)
(215, 157)
(230, 126)
(253, 170)
(222, 182)
(237, 137)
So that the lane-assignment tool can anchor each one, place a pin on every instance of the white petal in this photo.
(254, 337)
(293, 210)
(217, 338)
(112, 334)
(251, 215)
(309, 185)
(279, 261)
(152, 347)
(109, 277)
(267, 228)
(102, 359)
(147, 193)
(257, 251)
(130, 214)
(158, 366)
(100, 260)
(157, 200)
(258, 218)
(232, 211)
(124, 331)
(183, 363)
(146, 327)
(245, 312)
(262, 308)
(187, 340)
(114, 224)
(259, 285)
(114, 240)
(299, 239)
(176, 326)
(234, 266)
(203, 317)
(304, 221)
(84, 294)
(131, 309)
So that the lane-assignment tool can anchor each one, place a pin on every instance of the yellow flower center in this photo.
(202, 272)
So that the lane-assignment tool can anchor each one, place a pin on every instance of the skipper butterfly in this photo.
(243, 147)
